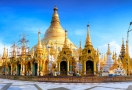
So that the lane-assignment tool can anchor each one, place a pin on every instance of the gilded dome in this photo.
(55, 33)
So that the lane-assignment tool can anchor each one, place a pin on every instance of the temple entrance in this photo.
(18, 69)
(9, 70)
(35, 69)
(89, 68)
(3, 70)
(63, 68)
(29, 67)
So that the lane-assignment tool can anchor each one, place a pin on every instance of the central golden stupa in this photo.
(55, 33)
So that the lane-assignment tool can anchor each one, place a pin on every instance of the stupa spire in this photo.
(4, 53)
(55, 17)
(32, 51)
(39, 40)
(122, 52)
(127, 50)
(65, 42)
(80, 44)
(88, 39)
(122, 41)
(108, 52)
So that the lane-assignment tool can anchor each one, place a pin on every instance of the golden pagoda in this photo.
(89, 57)
(65, 60)
(126, 60)
(55, 33)
(5, 62)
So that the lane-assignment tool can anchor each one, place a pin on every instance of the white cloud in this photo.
(114, 46)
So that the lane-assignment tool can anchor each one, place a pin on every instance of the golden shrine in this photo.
(56, 55)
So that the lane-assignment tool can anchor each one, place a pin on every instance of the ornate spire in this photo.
(122, 41)
(122, 52)
(14, 50)
(33, 51)
(88, 39)
(108, 52)
(4, 53)
(7, 52)
(80, 45)
(24, 44)
(55, 17)
(66, 41)
(127, 50)
(39, 46)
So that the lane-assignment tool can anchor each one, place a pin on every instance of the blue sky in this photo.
(109, 20)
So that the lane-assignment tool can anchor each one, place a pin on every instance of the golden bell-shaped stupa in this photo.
(55, 33)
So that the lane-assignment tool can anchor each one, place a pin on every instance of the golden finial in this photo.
(4, 53)
(88, 28)
(122, 41)
(7, 52)
(127, 49)
(88, 39)
(33, 51)
(80, 44)
(65, 42)
(55, 17)
(108, 52)
(39, 40)
(55, 9)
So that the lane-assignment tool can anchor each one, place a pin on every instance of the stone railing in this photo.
(70, 79)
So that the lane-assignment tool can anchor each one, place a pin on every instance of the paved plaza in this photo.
(6, 84)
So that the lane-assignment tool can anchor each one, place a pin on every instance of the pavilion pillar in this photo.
(67, 67)
(84, 67)
(94, 68)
